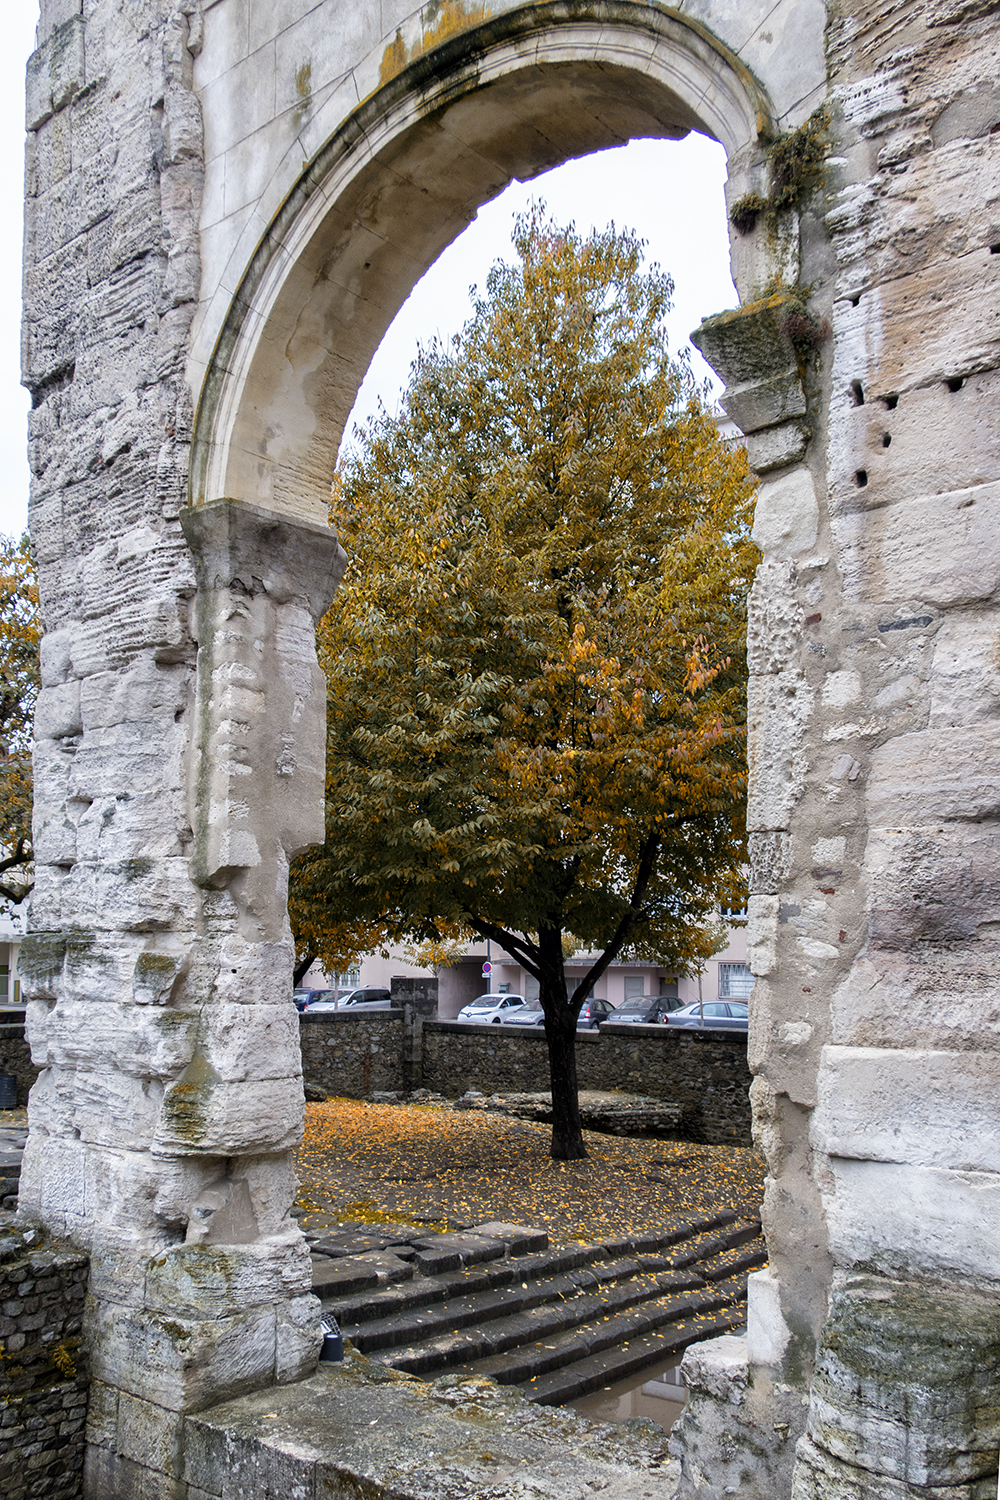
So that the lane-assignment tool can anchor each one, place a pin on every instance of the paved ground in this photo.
(378, 1163)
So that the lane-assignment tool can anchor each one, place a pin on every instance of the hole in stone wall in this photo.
(995, 249)
(856, 300)
(857, 393)
(890, 402)
(955, 382)
(861, 478)
(886, 439)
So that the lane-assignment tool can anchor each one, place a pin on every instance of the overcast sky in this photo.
(671, 192)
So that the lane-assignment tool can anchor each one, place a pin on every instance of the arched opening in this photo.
(396, 184)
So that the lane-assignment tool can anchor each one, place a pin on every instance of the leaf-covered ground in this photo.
(445, 1168)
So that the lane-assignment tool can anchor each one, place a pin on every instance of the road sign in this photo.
(487, 969)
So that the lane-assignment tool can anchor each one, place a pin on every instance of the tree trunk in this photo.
(560, 1037)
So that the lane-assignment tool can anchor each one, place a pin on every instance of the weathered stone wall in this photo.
(705, 1074)
(353, 1057)
(15, 1057)
(44, 1376)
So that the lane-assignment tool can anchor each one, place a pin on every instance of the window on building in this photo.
(735, 981)
(634, 986)
(349, 981)
(733, 915)
(668, 987)
(530, 987)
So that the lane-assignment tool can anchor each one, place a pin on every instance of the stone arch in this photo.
(400, 178)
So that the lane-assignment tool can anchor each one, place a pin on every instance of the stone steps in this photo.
(558, 1321)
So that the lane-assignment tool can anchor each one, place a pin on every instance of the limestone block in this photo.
(965, 674)
(936, 884)
(890, 444)
(774, 618)
(123, 756)
(718, 1367)
(961, 337)
(777, 447)
(770, 862)
(257, 973)
(53, 1185)
(748, 344)
(778, 709)
(107, 1108)
(272, 1184)
(904, 1220)
(54, 659)
(178, 1363)
(55, 72)
(131, 829)
(932, 776)
(146, 1435)
(761, 404)
(57, 714)
(148, 691)
(767, 1332)
(786, 519)
(202, 1113)
(945, 548)
(926, 1108)
(940, 995)
(247, 1041)
(818, 1476)
(906, 1382)
(762, 934)
(209, 1281)
(299, 1338)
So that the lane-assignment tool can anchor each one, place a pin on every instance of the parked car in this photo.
(727, 1013)
(489, 1009)
(649, 1010)
(354, 1000)
(592, 1013)
(305, 998)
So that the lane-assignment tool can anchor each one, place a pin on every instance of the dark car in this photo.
(648, 1010)
(723, 1013)
(304, 998)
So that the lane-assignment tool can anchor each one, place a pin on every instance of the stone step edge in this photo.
(371, 1302)
(441, 1356)
(592, 1373)
(475, 1311)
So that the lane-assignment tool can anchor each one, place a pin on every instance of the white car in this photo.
(489, 1009)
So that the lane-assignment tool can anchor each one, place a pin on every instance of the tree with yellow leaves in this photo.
(20, 632)
(536, 660)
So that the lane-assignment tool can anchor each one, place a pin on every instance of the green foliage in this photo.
(795, 162)
(20, 632)
(536, 661)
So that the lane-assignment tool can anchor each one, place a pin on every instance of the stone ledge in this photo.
(358, 1429)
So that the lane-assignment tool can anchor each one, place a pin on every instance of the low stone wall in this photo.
(15, 1056)
(705, 1072)
(354, 1056)
(43, 1368)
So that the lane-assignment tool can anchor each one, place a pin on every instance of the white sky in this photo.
(671, 192)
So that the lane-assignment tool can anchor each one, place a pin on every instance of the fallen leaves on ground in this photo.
(425, 1165)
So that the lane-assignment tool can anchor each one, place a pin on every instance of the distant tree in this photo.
(536, 661)
(20, 632)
